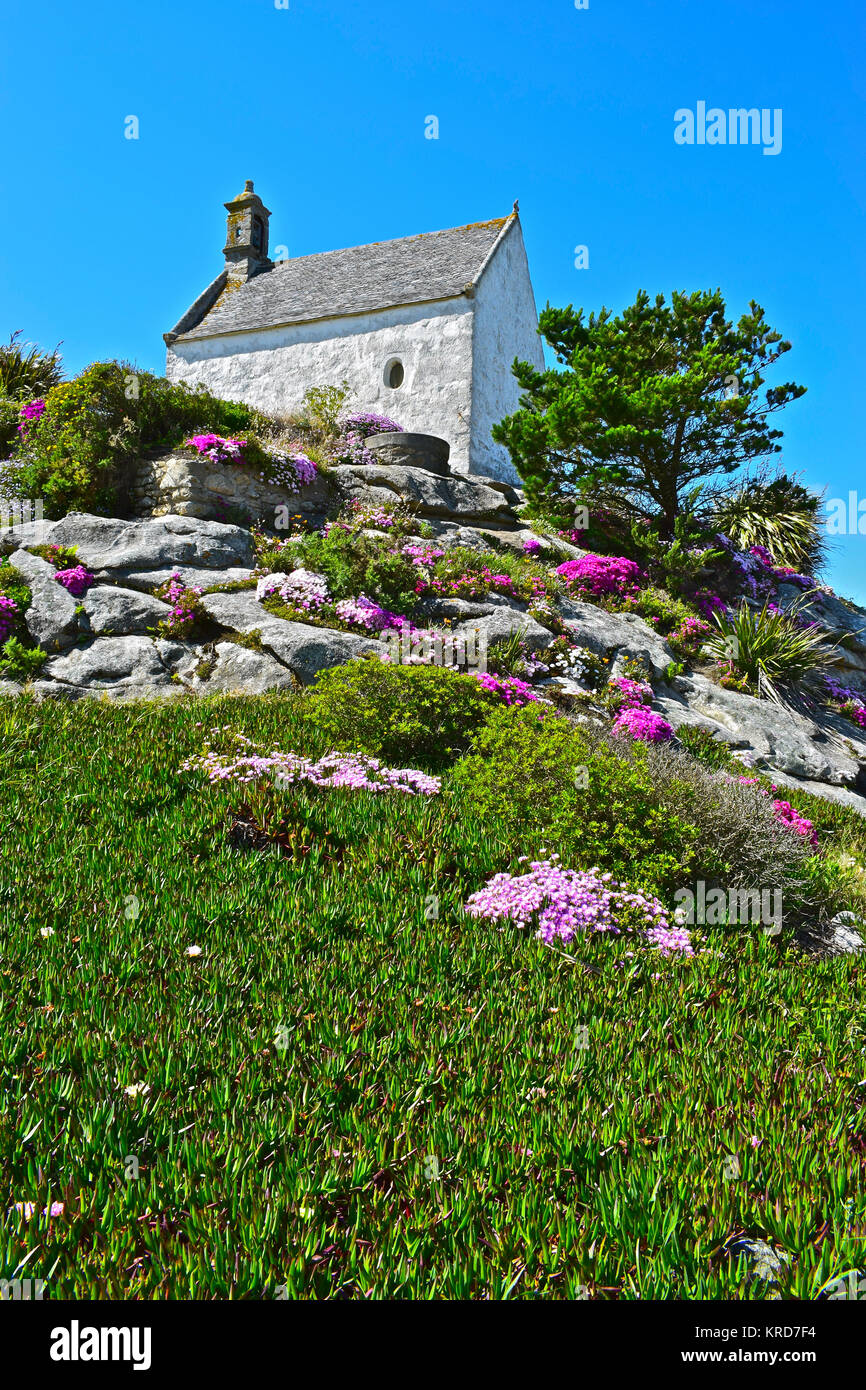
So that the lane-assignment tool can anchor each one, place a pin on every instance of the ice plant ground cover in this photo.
(314, 1023)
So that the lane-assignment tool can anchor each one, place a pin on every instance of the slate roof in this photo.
(359, 279)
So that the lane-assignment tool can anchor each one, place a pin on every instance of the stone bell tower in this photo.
(246, 248)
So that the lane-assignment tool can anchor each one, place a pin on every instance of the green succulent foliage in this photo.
(780, 515)
(428, 1059)
(770, 649)
(649, 402)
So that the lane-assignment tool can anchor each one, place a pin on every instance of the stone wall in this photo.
(184, 484)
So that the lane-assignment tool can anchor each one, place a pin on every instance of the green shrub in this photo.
(354, 563)
(74, 456)
(674, 564)
(556, 787)
(739, 830)
(650, 814)
(657, 603)
(417, 716)
(322, 406)
(10, 419)
(391, 579)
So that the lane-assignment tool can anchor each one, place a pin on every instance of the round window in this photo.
(394, 374)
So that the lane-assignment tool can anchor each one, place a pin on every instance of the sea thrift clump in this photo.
(475, 585)
(599, 575)
(422, 552)
(76, 581)
(690, 634)
(849, 702)
(566, 902)
(305, 469)
(358, 428)
(8, 614)
(642, 724)
(184, 600)
(509, 689)
(354, 771)
(855, 710)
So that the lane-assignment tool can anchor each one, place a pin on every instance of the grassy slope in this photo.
(310, 1165)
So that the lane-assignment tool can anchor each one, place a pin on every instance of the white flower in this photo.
(138, 1088)
(193, 950)
(46, 931)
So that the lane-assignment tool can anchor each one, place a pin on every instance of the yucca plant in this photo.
(770, 647)
(27, 371)
(781, 515)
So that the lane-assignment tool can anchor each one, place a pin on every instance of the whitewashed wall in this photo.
(273, 367)
(505, 324)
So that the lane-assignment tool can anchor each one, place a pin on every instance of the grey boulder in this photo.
(109, 610)
(120, 666)
(110, 547)
(502, 624)
(240, 670)
(816, 750)
(469, 499)
(51, 619)
(616, 635)
(304, 649)
(191, 575)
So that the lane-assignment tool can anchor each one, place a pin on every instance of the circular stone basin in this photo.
(425, 451)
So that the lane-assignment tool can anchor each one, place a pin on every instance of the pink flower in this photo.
(75, 581)
(565, 903)
(601, 574)
(642, 724)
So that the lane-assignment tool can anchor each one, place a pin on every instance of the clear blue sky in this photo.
(107, 240)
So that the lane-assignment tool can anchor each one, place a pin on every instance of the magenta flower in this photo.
(601, 574)
(76, 581)
(642, 724)
(509, 689)
(8, 613)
